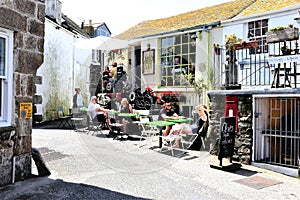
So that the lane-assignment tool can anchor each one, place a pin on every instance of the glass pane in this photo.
(185, 38)
(2, 56)
(164, 42)
(193, 47)
(177, 39)
(185, 48)
(265, 22)
(251, 25)
(163, 52)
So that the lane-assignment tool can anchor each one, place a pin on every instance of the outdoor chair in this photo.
(148, 131)
(93, 126)
(64, 119)
(179, 142)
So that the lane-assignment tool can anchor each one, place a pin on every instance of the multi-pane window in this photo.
(6, 38)
(177, 60)
(257, 31)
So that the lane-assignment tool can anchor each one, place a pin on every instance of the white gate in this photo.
(276, 130)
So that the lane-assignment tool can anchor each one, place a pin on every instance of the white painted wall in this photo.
(65, 67)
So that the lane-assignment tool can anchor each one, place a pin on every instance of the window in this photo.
(257, 31)
(6, 74)
(177, 60)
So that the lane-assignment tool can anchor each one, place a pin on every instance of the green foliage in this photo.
(231, 39)
(278, 28)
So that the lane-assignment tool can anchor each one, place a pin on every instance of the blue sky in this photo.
(120, 15)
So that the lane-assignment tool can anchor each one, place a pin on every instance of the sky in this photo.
(120, 15)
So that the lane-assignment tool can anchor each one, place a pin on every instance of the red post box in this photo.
(231, 108)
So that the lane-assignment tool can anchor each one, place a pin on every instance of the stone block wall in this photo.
(26, 19)
(244, 135)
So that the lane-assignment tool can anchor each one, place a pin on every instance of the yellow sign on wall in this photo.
(25, 110)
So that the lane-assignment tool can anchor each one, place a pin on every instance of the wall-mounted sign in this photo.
(25, 110)
(284, 59)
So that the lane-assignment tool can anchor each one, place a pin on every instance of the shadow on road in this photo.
(46, 188)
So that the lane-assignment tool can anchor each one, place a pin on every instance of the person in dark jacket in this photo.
(77, 98)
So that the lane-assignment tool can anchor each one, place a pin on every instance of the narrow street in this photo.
(96, 167)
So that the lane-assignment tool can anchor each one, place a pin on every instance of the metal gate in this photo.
(276, 130)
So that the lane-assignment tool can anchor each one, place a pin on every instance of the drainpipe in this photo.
(208, 61)
(13, 170)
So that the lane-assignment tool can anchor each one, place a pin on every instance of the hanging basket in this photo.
(286, 34)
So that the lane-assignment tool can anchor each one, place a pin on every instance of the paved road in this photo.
(96, 167)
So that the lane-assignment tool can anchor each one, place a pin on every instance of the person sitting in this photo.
(125, 107)
(98, 113)
(201, 127)
(168, 114)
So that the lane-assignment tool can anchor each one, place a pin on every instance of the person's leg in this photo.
(167, 131)
(124, 126)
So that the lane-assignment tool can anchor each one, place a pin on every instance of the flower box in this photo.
(245, 45)
(286, 34)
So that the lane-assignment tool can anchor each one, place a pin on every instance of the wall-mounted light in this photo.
(297, 18)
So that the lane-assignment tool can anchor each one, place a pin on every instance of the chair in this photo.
(148, 131)
(77, 119)
(64, 119)
(92, 125)
(180, 141)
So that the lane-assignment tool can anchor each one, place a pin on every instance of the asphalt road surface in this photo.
(96, 167)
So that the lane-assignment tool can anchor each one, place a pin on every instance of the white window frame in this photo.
(6, 90)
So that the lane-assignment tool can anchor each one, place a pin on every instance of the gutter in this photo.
(180, 31)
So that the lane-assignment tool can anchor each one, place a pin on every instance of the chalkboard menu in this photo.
(227, 138)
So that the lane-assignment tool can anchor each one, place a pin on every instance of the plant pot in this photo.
(217, 50)
(286, 52)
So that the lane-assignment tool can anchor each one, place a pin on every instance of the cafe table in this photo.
(180, 120)
(160, 123)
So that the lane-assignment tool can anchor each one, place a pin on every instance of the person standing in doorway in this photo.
(77, 98)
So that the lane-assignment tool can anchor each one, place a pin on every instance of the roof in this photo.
(203, 16)
(262, 6)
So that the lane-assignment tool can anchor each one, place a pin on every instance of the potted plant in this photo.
(217, 49)
(281, 34)
(285, 50)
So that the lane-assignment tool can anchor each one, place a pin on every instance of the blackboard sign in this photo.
(227, 138)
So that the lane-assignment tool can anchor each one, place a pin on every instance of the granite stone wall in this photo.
(244, 135)
(26, 19)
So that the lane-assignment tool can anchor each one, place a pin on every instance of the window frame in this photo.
(258, 32)
(172, 47)
(6, 81)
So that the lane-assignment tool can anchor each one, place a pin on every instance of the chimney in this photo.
(53, 10)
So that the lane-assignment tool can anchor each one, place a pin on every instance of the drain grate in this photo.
(257, 182)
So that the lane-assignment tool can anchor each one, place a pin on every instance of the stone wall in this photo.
(244, 135)
(26, 19)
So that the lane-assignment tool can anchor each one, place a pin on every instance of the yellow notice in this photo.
(25, 110)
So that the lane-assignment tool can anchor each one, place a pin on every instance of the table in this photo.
(126, 114)
(180, 120)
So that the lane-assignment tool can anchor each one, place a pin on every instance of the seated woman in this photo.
(98, 113)
(202, 127)
(125, 107)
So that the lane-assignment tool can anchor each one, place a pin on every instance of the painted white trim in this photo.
(7, 93)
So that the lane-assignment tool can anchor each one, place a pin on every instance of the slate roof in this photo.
(204, 16)
(261, 6)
